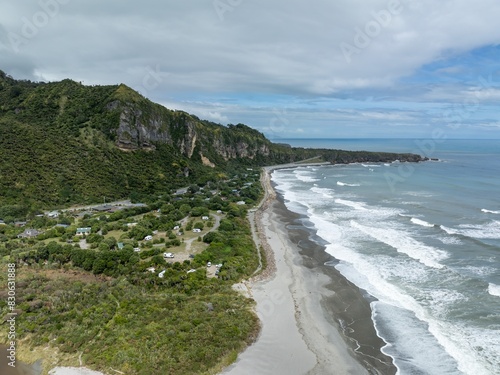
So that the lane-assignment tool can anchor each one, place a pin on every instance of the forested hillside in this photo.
(136, 289)
(64, 143)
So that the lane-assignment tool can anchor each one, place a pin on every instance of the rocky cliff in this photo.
(64, 142)
(143, 124)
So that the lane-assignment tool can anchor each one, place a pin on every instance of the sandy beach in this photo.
(313, 320)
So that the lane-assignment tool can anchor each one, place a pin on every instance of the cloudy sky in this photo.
(292, 69)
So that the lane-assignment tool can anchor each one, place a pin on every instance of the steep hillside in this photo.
(64, 142)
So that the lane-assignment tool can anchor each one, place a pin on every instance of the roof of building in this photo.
(29, 233)
(84, 229)
(103, 208)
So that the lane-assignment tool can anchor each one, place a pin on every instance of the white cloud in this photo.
(259, 49)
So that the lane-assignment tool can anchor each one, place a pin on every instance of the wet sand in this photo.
(314, 321)
(345, 307)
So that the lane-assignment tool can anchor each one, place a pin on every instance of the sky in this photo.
(291, 69)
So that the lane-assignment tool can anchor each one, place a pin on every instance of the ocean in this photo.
(423, 239)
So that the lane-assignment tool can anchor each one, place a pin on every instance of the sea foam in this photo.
(490, 230)
(355, 205)
(340, 183)
(489, 211)
(403, 243)
(420, 222)
(494, 289)
(305, 176)
(324, 192)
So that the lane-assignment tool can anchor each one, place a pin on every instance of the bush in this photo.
(226, 225)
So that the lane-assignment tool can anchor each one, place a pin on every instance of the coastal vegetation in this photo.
(100, 297)
(64, 143)
(143, 285)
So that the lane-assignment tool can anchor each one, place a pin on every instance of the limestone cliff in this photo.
(142, 124)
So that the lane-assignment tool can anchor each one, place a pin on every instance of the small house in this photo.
(161, 274)
(181, 191)
(148, 238)
(120, 245)
(103, 208)
(83, 231)
(29, 233)
(53, 214)
(19, 223)
(196, 230)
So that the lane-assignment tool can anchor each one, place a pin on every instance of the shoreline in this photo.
(299, 302)
(325, 320)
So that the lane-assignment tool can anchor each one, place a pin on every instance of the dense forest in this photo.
(63, 143)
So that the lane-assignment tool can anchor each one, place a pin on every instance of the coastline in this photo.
(300, 302)
(314, 321)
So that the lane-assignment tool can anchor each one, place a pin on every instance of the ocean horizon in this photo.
(421, 146)
(423, 239)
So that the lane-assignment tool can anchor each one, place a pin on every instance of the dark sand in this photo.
(313, 320)
(348, 307)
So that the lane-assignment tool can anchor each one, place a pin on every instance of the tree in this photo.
(111, 241)
(185, 209)
(98, 266)
(193, 188)
(226, 225)
(199, 211)
(103, 246)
